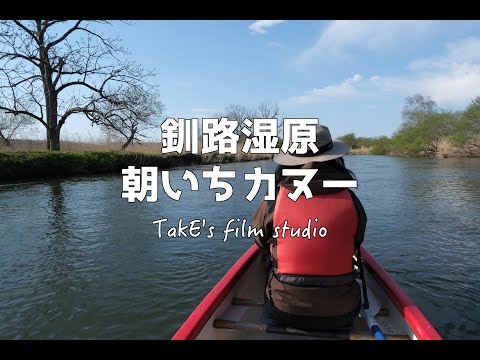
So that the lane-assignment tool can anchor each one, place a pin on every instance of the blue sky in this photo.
(353, 75)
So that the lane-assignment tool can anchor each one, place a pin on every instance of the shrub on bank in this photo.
(36, 164)
(33, 164)
(427, 130)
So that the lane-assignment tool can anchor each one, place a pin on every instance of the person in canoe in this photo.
(311, 281)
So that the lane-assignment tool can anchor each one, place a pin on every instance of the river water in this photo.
(78, 261)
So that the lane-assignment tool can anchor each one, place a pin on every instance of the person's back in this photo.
(311, 242)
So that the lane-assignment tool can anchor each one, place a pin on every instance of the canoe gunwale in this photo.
(419, 324)
(199, 317)
(421, 327)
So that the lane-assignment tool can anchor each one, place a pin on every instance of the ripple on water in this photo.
(80, 262)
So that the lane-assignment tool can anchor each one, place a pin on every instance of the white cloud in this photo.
(461, 52)
(451, 79)
(357, 77)
(261, 26)
(348, 87)
(340, 36)
(455, 85)
(467, 49)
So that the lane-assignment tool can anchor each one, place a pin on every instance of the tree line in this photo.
(425, 129)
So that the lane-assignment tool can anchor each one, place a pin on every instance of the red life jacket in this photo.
(329, 255)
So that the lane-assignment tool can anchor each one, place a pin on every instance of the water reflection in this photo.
(59, 234)
(54, 289)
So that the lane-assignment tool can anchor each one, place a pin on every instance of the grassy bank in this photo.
(15, 165)
(444, 148)
(86, 144)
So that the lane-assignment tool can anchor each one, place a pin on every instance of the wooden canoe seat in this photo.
(275, 329)
(266, 325)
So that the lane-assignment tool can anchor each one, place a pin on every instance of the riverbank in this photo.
(17, 165)
(444, 149)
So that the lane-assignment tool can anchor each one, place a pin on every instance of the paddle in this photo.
(369, 315)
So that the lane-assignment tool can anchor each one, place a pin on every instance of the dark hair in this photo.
(337, 164)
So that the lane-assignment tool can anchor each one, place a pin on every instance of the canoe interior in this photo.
(238, 316)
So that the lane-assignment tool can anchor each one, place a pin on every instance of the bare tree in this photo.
(11, 124)
(239, 113)
(416, 107)
(268, 110)
(264, 110)
(128, 113)
(53, 69)
(271, 110)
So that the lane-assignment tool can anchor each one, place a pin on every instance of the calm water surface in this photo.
(78, 261)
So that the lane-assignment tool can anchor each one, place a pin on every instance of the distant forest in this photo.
(426, 130)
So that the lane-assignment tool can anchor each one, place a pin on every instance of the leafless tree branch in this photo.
(44, 67)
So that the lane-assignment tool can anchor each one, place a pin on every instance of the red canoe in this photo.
(233, 309)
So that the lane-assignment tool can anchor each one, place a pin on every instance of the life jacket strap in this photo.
(366, 304)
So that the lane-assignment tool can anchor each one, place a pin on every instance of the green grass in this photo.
(35, 164)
